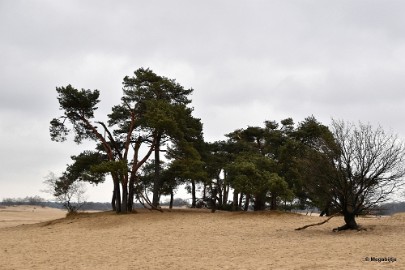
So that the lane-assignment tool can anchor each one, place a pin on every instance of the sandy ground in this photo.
(194, 239)
(25, 214)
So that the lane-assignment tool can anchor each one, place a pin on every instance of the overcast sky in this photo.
(248, 61)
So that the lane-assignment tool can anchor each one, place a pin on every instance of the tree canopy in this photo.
(153, 109)
(346, 168)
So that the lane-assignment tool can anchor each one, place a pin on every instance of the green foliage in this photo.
(78, 107)
(216, 156)
(153, 110)
(279, 161)
(111, 166)
(251, 174)
(77, 104)
(186, 162)
(162, 116)
(277, 185)
(160, 104)
(146, 85)
(170, 178)
(58, 130)
(286, 151)
(316, 148)
(82, 168)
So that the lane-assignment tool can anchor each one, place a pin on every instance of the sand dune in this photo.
(197, 239)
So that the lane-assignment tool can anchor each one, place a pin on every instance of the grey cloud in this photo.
(247, 61)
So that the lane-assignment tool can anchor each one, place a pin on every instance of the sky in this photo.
(247, 61)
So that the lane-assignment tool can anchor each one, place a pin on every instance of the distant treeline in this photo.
(100, 206)
(391, 208)
(385, 209)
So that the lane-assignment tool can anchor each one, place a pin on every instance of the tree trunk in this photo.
(113, 205)
(350, 220)
(240, 201)
(235, 205)
(273, 202)
(157, 184)
(247, 201)
(225, 196)
(326, 210)
(117, 196)
(260, 203)
(193, 198)
(225, 188)
(131, 194)
(213, 199)
(171, 198)
(220, 198)
(124, 198)
(213, 204)
(204, 196)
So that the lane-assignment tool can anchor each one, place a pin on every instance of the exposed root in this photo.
(347, 227)
(317, 224)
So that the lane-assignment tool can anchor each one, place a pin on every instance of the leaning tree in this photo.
(364, 166)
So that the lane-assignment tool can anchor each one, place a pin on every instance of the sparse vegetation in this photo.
(71, 194)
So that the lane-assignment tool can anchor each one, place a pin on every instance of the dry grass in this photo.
(198, 239)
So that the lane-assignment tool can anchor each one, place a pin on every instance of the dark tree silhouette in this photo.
(369, 167)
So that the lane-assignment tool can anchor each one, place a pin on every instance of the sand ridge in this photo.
(198, 239)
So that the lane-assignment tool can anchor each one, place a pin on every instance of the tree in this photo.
(216, 158)
(254, 175)
(70, 193)
(313, 150)
(79, 107)
(187, 166)
(69, 188)
(267, 150)
(279, 189)
(356, 172)
(369, 168)
(159, 101)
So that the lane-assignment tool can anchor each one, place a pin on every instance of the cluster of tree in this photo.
(347, 168)
(153, 117)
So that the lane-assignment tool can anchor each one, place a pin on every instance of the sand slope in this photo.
(197, 239)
